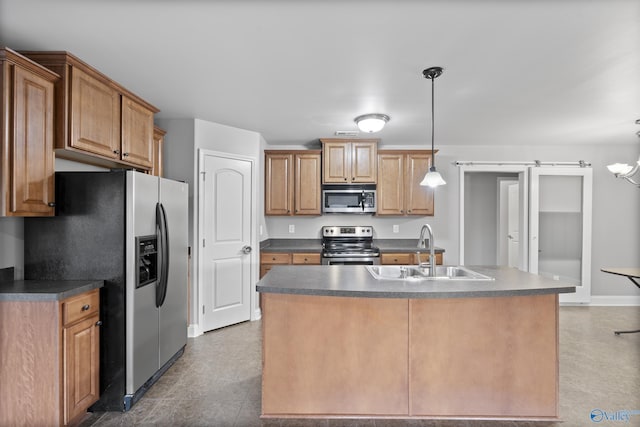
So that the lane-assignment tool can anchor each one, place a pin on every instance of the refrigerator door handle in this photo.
(163, 240)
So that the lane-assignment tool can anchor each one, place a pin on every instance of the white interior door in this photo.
(226, 188)
(560, 228)
(513, 225)
(508, 222)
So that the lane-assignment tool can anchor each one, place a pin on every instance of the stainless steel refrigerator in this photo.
(130, 230)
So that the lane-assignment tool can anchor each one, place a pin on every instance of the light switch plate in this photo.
(396, 228)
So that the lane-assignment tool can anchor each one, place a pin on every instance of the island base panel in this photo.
(450, 358)
(484, 357)
(333, 355)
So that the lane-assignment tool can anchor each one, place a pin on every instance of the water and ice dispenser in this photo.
(146, 260)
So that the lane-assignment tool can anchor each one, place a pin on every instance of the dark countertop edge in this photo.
(46, 290)
(415, 295)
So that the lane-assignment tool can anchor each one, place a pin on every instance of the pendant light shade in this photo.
(432, 178)
(626, 171)
(371, 123)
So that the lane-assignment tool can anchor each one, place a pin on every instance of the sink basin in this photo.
(414, 272)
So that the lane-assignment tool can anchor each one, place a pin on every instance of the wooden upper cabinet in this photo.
(26, 142)
(349, 161)
(97, 120)
(419, 199)
(292, 182)
(278, 185)
(399, 175)
(95, 115)
(307, 184)
(137, 133)
(158, 144)
(390, 189)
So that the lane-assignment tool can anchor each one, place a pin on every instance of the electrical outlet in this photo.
(396, 228)
(556, 277)
(292, 228)
(260, 232)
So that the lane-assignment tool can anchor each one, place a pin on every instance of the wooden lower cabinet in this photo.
(269, 259)
(49, 360)
(408, 258)
(492, 358)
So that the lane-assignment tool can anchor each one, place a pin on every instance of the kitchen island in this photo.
(339, 343)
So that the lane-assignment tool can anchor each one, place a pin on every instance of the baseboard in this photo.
(615, 300)
(194, 330)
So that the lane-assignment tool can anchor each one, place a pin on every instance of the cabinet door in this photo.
(419, 199)
(32, 153)
(95, 115)
(158, 143)
(307, 184)
(278, 190)
(137, 133)
(81, 366)
(390, 189)
(364, 162)
(337, 163)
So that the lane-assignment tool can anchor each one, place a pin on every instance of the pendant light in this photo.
(625, 171)
(433, 177)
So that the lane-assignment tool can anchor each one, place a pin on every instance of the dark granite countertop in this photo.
(45, 290)
(315, 245)
(291, 245)
(355, 281)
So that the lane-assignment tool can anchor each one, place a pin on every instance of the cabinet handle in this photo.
(409, 211)
(86, 307)
(345, 178)
(51, 204)
(99, 323)
(125, 154)
(401, 211)
(116, 151)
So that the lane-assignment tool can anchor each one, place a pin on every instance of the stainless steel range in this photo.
(351, 245)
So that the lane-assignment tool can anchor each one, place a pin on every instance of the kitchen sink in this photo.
(415, 272)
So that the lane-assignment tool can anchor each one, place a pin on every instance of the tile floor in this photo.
(217, 380)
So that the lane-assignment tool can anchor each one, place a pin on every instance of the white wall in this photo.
(616, 207)
(183, 140)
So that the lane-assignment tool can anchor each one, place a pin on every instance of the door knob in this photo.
(246, 249)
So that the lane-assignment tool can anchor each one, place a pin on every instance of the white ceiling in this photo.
(516, 72)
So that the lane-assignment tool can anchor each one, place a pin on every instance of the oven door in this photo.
(374, 260)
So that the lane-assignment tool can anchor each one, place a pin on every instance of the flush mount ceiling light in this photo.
(371, 123)
(625, 171)
(433, 177)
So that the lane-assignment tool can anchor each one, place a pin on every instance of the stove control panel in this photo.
(348, 231)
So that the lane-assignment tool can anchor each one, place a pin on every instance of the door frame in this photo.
(255, 307)
(523, 179)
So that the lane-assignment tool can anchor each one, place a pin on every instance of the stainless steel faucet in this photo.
(423, 244)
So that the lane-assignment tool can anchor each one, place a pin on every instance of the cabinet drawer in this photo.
(80, 306)
(302, 258)
(275, 258)
(403, 259)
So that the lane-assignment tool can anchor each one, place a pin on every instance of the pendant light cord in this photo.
(433, 154)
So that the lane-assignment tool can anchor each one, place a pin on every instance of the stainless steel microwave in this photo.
(359, 199)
